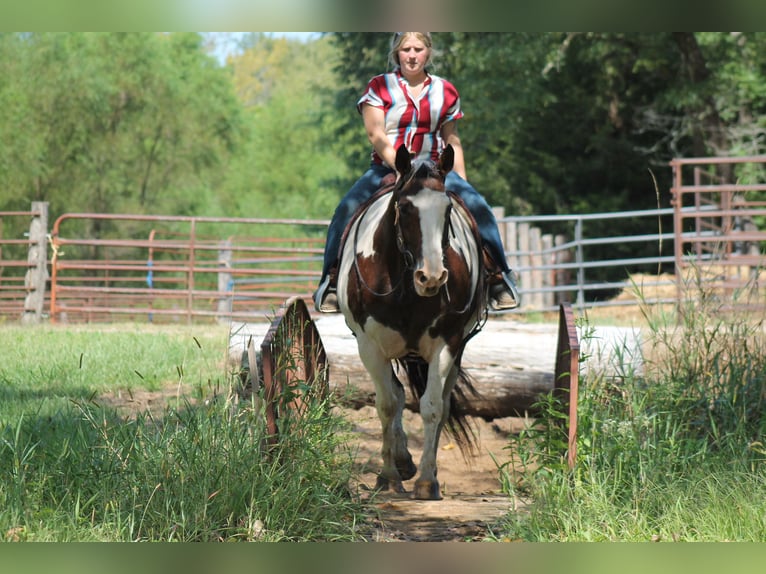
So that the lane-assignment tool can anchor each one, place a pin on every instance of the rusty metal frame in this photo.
(566, 381)
(713, 205)
(294, 363)
(190, 278)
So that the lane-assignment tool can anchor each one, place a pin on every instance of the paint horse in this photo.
(411, 285)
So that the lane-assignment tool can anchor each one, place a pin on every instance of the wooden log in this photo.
(511, 365)
(502, 392)
(37, 268)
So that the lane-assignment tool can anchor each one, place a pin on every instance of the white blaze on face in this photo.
(432, 207)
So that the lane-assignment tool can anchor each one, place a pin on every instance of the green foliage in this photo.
(76, 468)
(118, 122)
(671, 453)
(291, 165)
(362, 55)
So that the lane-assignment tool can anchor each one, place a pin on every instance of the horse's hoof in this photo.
(426, 490)
(383, 484)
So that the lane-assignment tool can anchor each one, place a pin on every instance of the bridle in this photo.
(409, 258)
(401, 245)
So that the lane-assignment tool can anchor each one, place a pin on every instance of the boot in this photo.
(504, 295)
(326, 297)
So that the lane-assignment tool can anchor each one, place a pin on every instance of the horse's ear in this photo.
(403, 160)
(447, 159)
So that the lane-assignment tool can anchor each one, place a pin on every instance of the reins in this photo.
(409, 260)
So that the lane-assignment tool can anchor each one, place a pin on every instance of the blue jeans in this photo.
(364, 188)
(369, 183)
(482, 213)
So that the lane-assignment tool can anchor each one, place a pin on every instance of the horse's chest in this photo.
(398, 341)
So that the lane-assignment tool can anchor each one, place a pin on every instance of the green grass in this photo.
(673, 452)
(45, 367)
(75, 469)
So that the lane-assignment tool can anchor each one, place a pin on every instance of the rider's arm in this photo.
(449, 135)
(374, 123)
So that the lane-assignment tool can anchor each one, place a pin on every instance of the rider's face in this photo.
(413, 55)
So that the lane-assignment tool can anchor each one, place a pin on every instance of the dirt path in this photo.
(472, 498)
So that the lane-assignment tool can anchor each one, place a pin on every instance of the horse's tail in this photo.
(457, 425)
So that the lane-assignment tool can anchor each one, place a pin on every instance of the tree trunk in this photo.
(710, 134)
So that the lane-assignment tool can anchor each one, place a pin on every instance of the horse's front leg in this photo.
(434, 410)
(389, 403)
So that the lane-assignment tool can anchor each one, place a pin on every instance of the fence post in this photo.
(579, 258)
(549, 279)
(499, 213)
(525, 275)
(535, 262)
(225, 287)
(511, 241)
(561, 276)
(37, 264)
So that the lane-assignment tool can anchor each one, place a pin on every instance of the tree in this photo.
(113, 122)
(292, 164)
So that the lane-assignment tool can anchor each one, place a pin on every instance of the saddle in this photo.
(493, 274)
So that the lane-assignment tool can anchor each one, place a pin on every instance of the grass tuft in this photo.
(673, 452)
(80, 468)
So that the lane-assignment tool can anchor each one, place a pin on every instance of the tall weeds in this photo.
(670, 451)
(198, 471)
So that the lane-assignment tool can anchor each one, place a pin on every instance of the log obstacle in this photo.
(512, 365)
(504, 361)
(502, 392)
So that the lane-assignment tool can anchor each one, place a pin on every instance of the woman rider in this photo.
(413, 107)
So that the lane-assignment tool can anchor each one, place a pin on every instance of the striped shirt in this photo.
(415, 123)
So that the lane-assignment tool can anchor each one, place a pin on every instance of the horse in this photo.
(412, 288)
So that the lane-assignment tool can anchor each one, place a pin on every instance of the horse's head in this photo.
(422, 218)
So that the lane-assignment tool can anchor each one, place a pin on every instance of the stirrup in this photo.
(505, 295)
(326, 298)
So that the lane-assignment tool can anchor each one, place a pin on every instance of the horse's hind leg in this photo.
(389, 402)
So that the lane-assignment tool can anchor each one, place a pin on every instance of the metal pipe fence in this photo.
(720, 218)
(151, 268)
(157, 268)
(580, 268)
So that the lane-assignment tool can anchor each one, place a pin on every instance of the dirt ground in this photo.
(473, 501)
(472, 498)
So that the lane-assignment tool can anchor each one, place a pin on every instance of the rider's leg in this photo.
(504, 295)
(324, 297)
